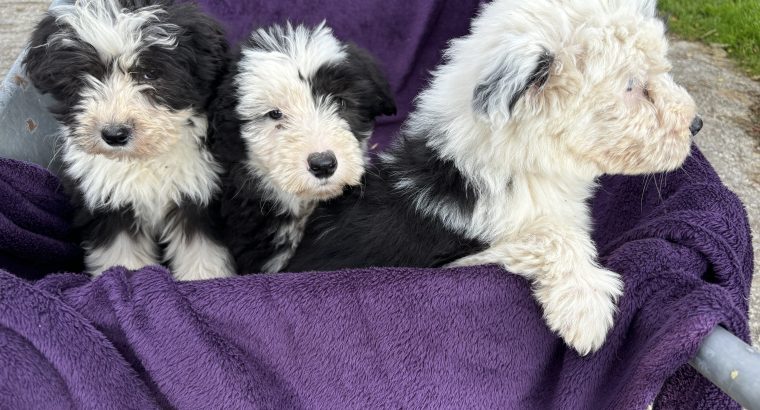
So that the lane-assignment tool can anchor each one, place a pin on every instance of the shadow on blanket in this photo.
(374, 338)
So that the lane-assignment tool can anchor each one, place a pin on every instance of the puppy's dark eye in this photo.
(275, 114)
(150, 75)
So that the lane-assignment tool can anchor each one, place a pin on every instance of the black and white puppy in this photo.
(291, 124)
(132, 81)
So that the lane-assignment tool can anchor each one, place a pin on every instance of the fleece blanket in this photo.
(373, 338)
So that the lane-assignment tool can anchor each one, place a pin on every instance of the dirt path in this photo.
(729, 103)
(17, 19)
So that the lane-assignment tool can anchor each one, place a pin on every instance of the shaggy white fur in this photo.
(112, 31)
(274, 76)
(532, 148)
(119, 67)
(151, 187)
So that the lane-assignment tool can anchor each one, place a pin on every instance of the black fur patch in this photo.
(360, 84)
(439, 178)
(193, 219)
(252, 221)
(59, 70)
(99, 228)
(378, 225)
(538, 77)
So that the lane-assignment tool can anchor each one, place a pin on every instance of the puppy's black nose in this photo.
(696, 125)
(116, 135)
(322, 164)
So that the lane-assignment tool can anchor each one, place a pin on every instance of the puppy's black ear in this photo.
(52, 64)
(203, 38)
(223, 135)
(505, 81)
(379, 100)
(38, 64)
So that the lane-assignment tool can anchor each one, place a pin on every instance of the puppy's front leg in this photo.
(191, 249)
(578, 296)
(113, 240)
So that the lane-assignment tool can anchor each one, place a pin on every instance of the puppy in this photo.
(132, 81)
(291, 125)
(504, 149)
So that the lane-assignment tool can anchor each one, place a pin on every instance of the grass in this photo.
(735, 24)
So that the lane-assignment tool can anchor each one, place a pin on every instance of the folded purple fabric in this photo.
(391, 338)
(35, 232)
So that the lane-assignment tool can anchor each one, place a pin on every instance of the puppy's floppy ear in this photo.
(204, 38)
(380, 100)
(53, 68)
(505, 81)
(39, 67)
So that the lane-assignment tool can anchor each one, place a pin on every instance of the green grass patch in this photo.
(732, 23)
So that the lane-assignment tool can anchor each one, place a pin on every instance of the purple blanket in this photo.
(378, 338)
(375, 338)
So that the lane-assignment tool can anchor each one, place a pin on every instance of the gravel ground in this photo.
(17, 19)
(729, 103)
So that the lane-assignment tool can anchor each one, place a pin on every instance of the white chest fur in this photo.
(149, 186)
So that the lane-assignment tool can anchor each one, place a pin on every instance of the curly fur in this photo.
(539, 100)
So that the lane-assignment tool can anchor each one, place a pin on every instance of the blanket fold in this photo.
(35, 222)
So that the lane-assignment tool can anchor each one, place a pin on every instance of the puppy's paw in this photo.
(203, 272)
(581, 308)
(131, 255)
(212, 261)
